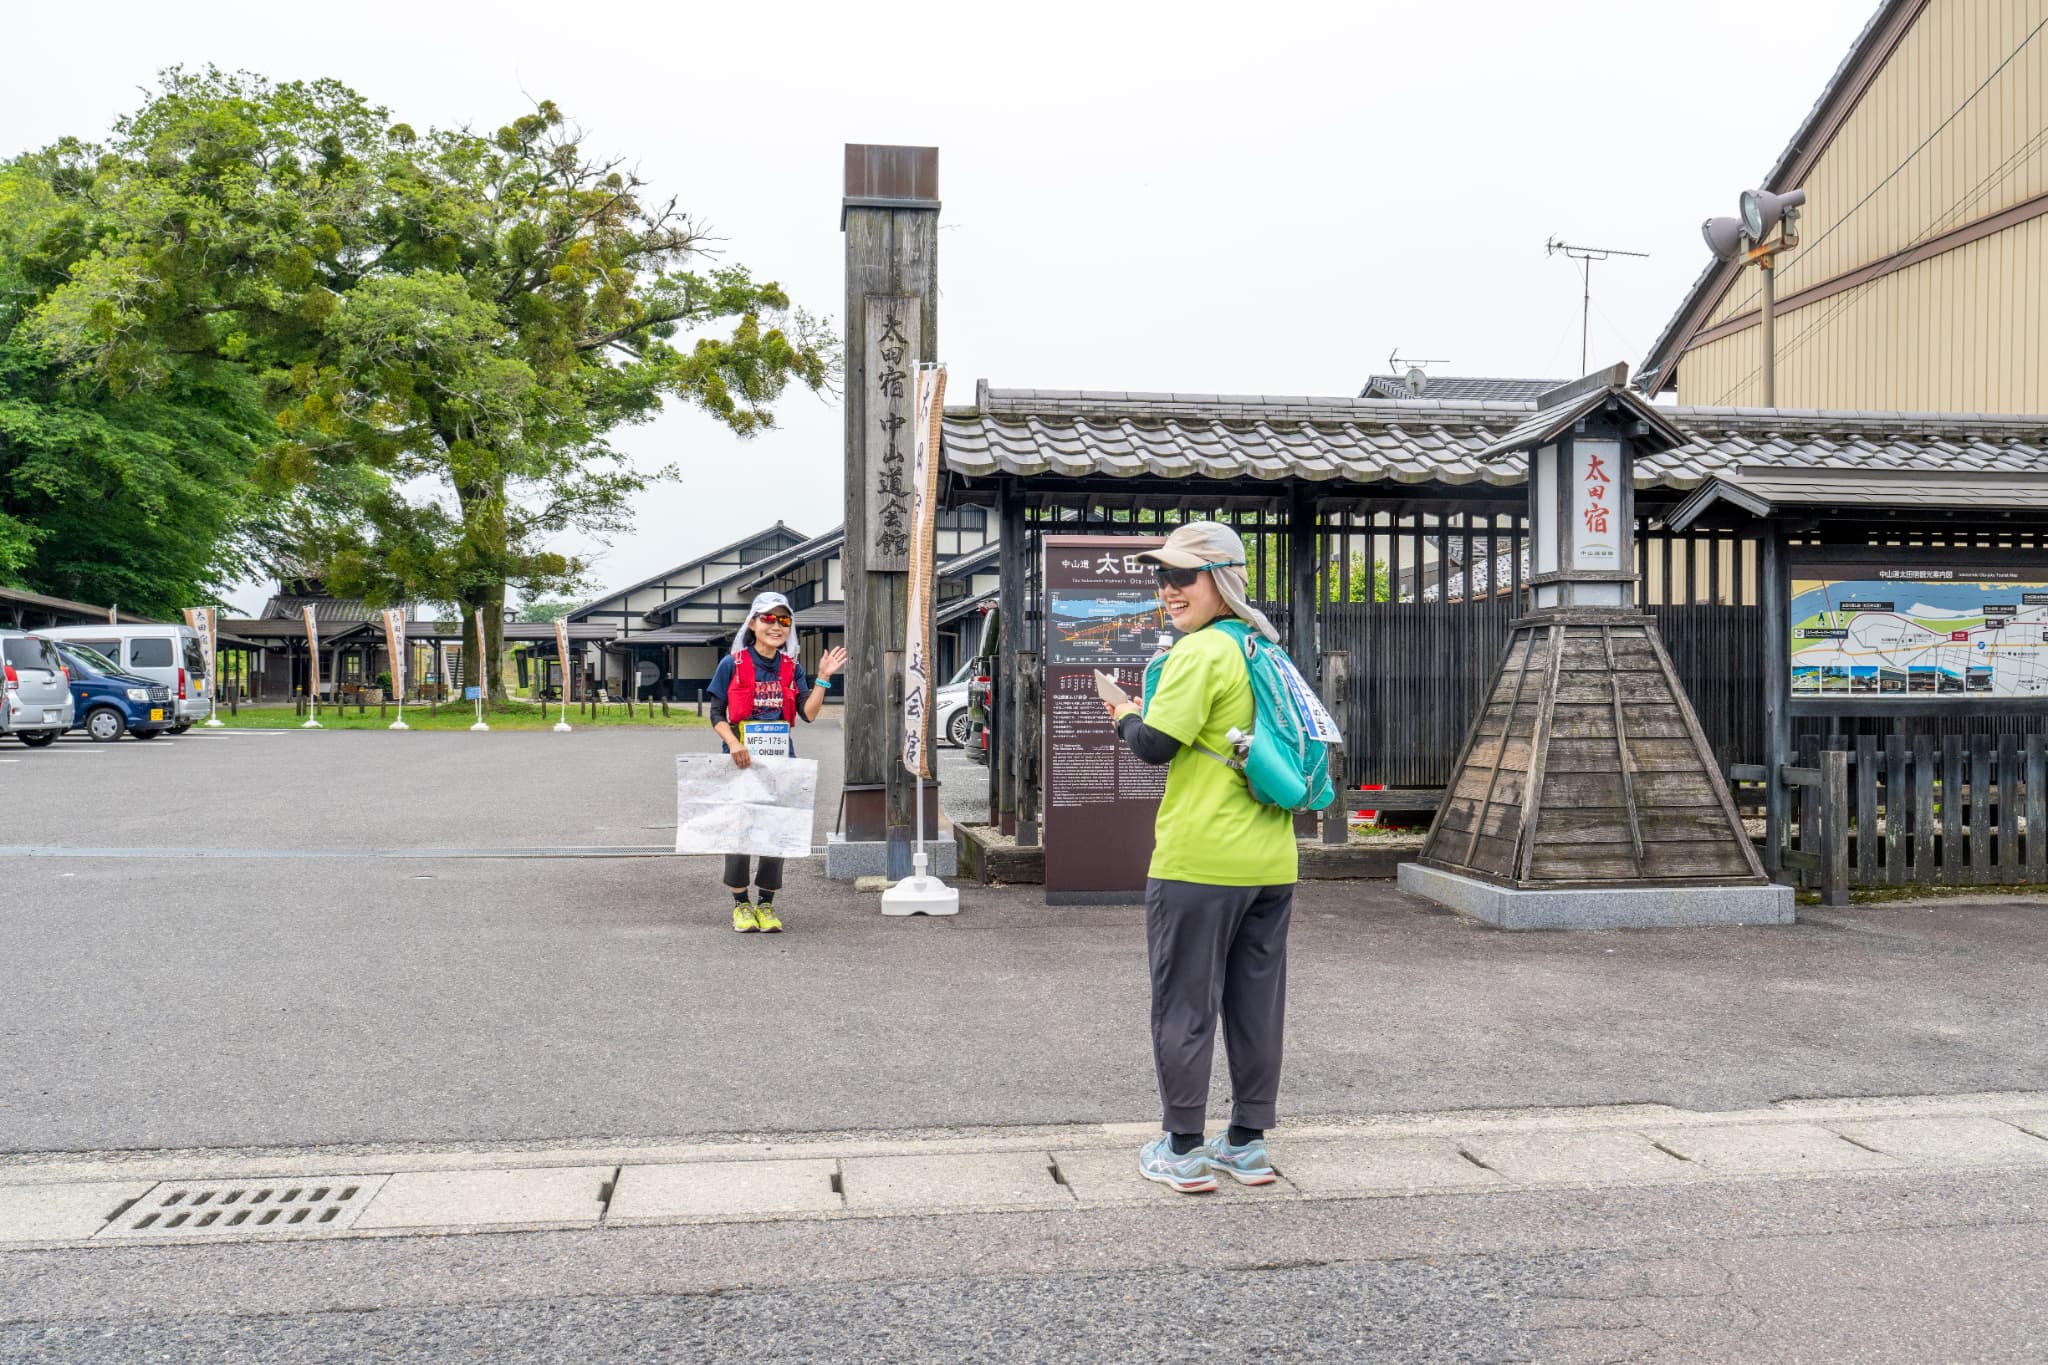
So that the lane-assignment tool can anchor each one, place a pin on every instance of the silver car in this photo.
(949, 708)
(37, 692)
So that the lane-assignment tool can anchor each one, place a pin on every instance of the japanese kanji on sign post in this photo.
(891, 338)
(1596, 532)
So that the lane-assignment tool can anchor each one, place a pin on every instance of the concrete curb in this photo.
(102, 1201)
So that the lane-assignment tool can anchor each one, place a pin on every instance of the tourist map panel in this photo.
(1919, 631)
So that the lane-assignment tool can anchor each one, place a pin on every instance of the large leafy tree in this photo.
(448, 326)
(134, 496)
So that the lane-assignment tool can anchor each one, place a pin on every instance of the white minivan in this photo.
(171, 655)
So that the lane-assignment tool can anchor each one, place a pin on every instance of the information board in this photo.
(1101, 610)
(1919, 631)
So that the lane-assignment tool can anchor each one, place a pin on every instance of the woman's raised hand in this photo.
(833, 661)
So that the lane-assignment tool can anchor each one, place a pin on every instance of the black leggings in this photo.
(736, 873)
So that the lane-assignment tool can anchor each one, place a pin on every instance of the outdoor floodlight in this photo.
(1724, 237)
(1762, 210)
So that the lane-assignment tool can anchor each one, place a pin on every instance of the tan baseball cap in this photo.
(1199, 545)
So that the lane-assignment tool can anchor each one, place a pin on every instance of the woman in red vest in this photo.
(757, 692)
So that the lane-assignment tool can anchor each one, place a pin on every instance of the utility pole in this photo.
(1585, 256)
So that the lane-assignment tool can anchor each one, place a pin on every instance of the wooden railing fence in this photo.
(1910, 812)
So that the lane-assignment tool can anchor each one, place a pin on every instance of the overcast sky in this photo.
(1262, 198)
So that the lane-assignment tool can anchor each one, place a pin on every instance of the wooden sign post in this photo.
(890, 218)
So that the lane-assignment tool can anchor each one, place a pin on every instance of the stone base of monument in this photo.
(1603, 907)
(846, 859)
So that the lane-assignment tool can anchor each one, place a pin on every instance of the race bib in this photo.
(766, 738)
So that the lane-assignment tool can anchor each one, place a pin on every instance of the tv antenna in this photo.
(1585, 256)
(1414, 378)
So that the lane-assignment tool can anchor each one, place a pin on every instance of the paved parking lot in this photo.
(271, 973)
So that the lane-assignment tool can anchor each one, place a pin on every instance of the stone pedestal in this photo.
(1604, 907)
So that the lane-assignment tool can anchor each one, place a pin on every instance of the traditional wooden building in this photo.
(1920, 280)
(1324, 488)
(668, 630)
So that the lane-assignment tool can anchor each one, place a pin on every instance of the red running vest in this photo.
(739, 696)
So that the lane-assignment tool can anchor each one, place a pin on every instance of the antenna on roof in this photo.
(1414, 378)
(1585, 256)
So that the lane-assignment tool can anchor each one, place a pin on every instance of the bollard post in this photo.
(1336, 692)
(1834, 808)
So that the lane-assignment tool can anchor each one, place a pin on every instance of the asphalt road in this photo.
(1890, 1268)
(286, 790)
(151, 1001)
(253, 965)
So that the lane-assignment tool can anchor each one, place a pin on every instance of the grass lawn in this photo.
(461, 715)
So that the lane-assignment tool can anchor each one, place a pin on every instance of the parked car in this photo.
(37, 694)
(981, 687)
(166, 654)
(107, 703)
(950, 720)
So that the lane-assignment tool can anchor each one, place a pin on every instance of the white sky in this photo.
(1245, 198)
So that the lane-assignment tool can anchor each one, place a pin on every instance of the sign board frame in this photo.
(1101, 802)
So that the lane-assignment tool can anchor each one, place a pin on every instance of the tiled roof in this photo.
(1761, 490)
(1459, 388)
(974, 561)
(1063, 433)
(324, 608)
(965, 606)
(817, 547)
(787, 534)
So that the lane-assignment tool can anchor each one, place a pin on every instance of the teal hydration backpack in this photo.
(1284, 762)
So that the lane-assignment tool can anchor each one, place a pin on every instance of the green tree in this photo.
(1380, 586)
(544, 611)
(449, 326)
(135, 497)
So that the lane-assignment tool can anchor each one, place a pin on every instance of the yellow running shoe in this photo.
(764, 915)
(745, 919)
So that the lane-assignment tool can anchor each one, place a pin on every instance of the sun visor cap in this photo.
(1198, 545)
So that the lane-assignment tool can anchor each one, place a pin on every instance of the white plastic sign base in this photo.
(918, 894)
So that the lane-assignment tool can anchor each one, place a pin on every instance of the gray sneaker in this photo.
(1247, 1165)
(1190, 1174)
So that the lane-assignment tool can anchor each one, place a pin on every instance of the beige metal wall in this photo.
(1952, 333)
(1959, 333)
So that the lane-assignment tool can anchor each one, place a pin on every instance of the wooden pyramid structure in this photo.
(1587, 768)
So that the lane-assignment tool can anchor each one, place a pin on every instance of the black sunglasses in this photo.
(1183, 578)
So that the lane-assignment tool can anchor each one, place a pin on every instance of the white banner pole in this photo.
(920, 894)
(312, 673)
(394, 643)
(562, 649)
(483, 671)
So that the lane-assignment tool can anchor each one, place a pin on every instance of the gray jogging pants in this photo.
(1217, 949)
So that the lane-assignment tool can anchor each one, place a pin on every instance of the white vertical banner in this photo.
(205, 622)
(482, 676)
(394, 645)
(562, 649)
(928, 408)
(479, 677)
(312, 654)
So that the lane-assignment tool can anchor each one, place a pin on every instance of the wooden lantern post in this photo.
(1585, 795)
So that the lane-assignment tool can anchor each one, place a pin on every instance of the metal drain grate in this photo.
(246, 1208)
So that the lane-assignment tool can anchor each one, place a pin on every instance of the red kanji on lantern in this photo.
(1596, 519)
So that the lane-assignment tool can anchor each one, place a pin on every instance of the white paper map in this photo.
(765, 809)
(1920, 633)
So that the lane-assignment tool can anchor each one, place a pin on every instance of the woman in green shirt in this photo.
(1220, 889)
